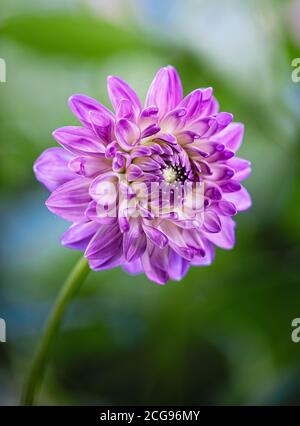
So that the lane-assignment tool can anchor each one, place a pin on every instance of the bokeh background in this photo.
(223, 334)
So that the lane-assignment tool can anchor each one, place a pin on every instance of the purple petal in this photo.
(110, 263)
(119, 162)
(212, 222)
(217, 123)
(241, 199)
(79, 235)
(82, 106)
(208, 258)
(213, 191)
(90, 166)
(150, 131)
(231, 136)
(51, 168)
(166, 137)
(134, 268)
(211, 107)
(148, 117)
(71, 199)
(134, 241)
(242, 168)
(194, 240)
(173, 120)
(102, 126)
(104, 190)
(118, 90)
(200, 126)
(178, 266)
(111, 149)
(176, 239)
(200, 103)
(134, 172)
(125, 110)
(230, 186)
(105, 248)
(128, 134)
(186, 137)
(79, 140)
(92, 213)
(156, 148)
(220, 172)
(192, 103)
(141, 151)
(225, 238)
(165, 91)
(155, 264)
(226, 208)
(155, 236)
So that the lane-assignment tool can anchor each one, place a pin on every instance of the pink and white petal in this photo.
(79, 235)
(118, 89)
(165, 91)
(71, 199)
(51, 168)
(82, 106)
(79, 140)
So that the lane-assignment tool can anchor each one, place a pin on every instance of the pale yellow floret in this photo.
(170, 175)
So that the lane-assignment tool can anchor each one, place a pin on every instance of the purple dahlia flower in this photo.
(111, 176)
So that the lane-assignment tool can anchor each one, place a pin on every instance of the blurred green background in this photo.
(223, 334)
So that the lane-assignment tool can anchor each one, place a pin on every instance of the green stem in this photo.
(68, 290)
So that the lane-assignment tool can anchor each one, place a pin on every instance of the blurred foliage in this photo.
(222, 335)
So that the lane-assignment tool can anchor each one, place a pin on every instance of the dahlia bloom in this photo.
(170, 142)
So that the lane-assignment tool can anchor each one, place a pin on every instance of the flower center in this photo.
(173, 174)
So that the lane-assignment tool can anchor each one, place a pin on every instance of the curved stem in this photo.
(70, 287)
